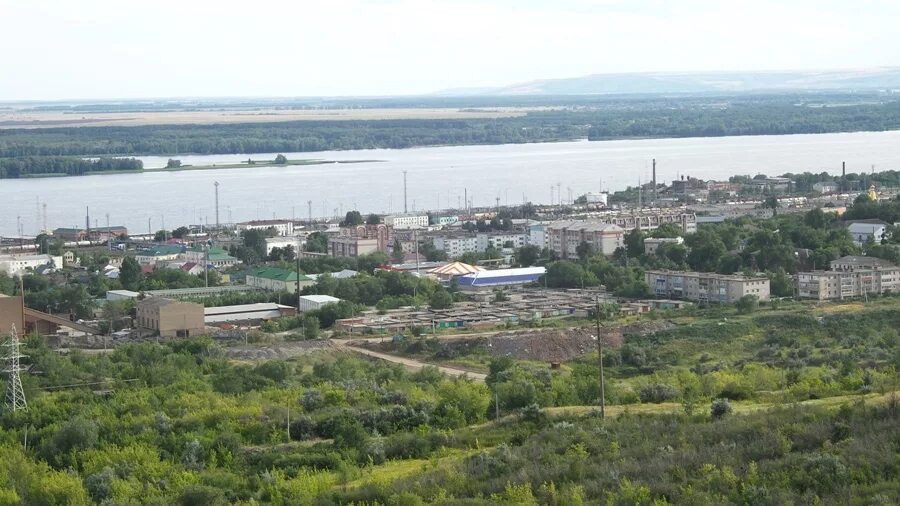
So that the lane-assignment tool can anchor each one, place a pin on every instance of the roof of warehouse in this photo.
(244, 308)
(499, 273)
(320, 298)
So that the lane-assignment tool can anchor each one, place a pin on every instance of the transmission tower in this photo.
(15, 396)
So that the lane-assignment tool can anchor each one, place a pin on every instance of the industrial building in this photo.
(282, 228)
(315, 302)
(217, 257)
(864, 231)
(706, 286)
(360, 240)
(170, 318)
(92, 234)
(16, 265)
(487, 280)
(850, 276)
(565, 237)
(161, 253)
(247, 312)
(406, 221)
(277, 280)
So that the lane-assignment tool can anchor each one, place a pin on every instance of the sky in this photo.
(95, 49)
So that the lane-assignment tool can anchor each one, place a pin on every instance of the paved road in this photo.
(408, 362)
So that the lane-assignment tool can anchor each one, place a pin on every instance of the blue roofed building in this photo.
(487, 280)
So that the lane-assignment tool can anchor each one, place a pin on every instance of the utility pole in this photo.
(15, 395)
(600, 362)
(404, 193)
(216, 184)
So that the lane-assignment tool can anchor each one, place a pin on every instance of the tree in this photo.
(747, 304)
(130, 274)
(255, 240)
(440, 299)
(584, 250)
(180, 232)
(373, 219)
(772, 203)
(527, 255)
(317, 242)
(280, 159)
(565, 274)
(352, 218)
(160, 235)
(310, 327)
(634, 243)
(173, 163)
(397, 252)
(284, 254)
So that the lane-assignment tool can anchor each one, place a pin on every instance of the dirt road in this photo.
(407, 362)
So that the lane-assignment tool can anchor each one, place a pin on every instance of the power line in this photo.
(15, 395)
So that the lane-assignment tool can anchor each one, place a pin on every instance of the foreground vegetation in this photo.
(689, 421)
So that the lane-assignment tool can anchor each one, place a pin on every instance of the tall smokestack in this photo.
(843, 169)
(654, 180)
(87, 220)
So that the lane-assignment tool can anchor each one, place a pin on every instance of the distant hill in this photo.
(878, 78)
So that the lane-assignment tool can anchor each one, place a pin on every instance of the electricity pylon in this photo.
(15, 395)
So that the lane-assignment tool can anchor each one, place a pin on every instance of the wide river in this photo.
(437, 178)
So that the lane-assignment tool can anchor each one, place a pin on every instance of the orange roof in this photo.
(456, 269)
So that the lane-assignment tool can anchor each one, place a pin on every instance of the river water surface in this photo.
(437, 178)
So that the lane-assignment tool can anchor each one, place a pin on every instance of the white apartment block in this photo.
(500, 240)
(850, 276)
(564, 237)
(705, 286)
(407, 221)
(282, 228)
(456, 246)
(15, 265)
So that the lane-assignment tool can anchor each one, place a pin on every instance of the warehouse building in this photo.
(315, 302)
(247, 312)
(170, 318)
(487, 280)
(277, 280)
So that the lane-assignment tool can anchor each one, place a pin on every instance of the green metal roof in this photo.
(277, 274)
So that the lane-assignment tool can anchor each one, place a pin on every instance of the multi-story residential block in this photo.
(705, 286)
(500, 240)
(282, 227)
(565, 237)
(648, 221)
(15, 265)
(456, 245)
(361, 240)
(850, 276)
(406, 221)
(536, 235)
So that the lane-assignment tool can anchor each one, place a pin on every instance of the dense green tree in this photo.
(130, 273)
(527, 255)
(440, 299)
(352, 218)
(317, 242)
(373, 219)
(180, 232)
(280, 159)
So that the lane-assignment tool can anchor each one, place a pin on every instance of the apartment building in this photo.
(406, 221)
(850, 276)
(564, 237)
(283, 228)
(706, 286)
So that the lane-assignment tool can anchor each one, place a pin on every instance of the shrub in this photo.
(720, 408)
(658, 392)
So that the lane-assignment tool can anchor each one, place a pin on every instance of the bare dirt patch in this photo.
(275, 351)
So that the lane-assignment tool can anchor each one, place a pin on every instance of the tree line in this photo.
(12, 168)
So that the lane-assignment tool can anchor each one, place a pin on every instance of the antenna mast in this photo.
(15, 395)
